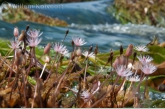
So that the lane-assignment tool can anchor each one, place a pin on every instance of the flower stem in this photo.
(43, 70)
(85, 71)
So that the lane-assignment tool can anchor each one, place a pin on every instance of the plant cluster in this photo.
(79, 78)
(8, 15)
(150, 12)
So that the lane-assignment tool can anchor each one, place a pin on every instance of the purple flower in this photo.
(123, 71)
(144, 59)
(34, 33)
(33, 42)
(148, 69)
(141, 48)
(14, 44)
(60, 48)
(78, 41)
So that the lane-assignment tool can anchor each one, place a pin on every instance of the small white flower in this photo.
(33, 42)
(144, 59)
(141, 48)
(87, 54)
(78, 41)
(123, 71)
(134, 78)
(60, 48)
(148, 68)
(34, 33)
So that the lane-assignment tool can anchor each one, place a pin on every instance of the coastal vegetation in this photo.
(58, 77)
(150, 12)
(25, 14)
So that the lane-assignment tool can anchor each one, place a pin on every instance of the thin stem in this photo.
(105, 93)
(145, 86)
(85, 71)
(58, 64)
(43, 70)
(35, 93)
(122, 87)
(50, 72)
(24, 85)
(129, 88)
(12, 66)
(137, 89)
(8, 53)
(59, 83)
(34, 56)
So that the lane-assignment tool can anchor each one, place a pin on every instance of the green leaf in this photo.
(157, 53)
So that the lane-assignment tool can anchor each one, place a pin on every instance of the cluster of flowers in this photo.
(120, 65)
(33, 41)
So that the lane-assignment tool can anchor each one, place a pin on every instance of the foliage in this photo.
(150, 12)
(29, 15)
(67, 73)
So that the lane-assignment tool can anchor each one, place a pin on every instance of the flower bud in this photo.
(121, 50)
(22, 35)
(78, 52)
(72, 56)
(123, 60)
(16, 31)
(18, 58)
(46, 59)
(72, 43)
(129, 50)
(116, 62)
(47, 48)
(90, 49)
(96, 49)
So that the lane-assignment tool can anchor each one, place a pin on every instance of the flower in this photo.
(148, 68)
(134, 78)
(33, 42)
(144, 59)
(123, 71)
(34, 33)
(78, 41)
(60, 48)
(87, 54)
(142, 48)
(14, 44)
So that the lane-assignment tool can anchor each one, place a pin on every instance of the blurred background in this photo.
(42, 1)
(107, 23)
